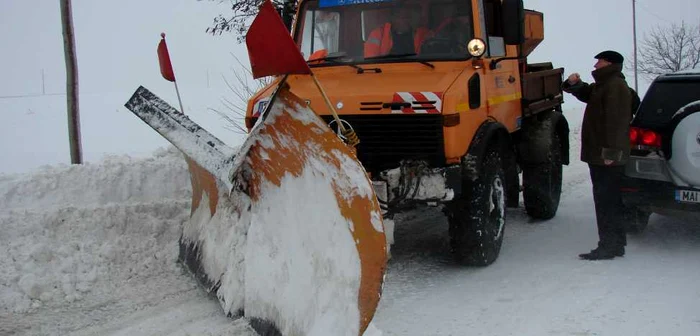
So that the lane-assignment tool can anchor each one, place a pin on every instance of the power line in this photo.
(32, 95)
(651, 12)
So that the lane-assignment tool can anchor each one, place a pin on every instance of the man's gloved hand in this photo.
(574, 78)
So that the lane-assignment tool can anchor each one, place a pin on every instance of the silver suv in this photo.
(663, 173)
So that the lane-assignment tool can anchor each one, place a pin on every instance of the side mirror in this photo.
(513, 22)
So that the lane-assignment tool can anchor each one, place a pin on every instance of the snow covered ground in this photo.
(538, 286)
(91, 250)
(34, 129)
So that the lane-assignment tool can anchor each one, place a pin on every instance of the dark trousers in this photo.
(609, 209)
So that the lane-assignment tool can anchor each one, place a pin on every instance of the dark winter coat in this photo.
(605, 130)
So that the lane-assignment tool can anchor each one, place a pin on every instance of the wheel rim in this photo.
(497, 209)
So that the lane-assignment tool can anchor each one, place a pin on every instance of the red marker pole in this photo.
(166, 67)
(179, 100)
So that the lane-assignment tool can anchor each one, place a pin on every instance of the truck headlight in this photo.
(476, 47)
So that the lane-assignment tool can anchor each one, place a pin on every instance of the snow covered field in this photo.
(91, 250)
(34, 129)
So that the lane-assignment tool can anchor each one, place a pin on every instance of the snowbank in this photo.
(92, 250)
(116, 179)
(83, 233)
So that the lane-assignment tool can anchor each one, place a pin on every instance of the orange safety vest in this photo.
(442, 26)
(379, 41)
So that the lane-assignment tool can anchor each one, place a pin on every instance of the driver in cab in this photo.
(457, 21)
(398, 36)
(452, 33)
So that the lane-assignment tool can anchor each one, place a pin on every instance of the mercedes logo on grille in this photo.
(334, 127)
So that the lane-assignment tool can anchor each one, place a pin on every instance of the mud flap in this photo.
(293, 235)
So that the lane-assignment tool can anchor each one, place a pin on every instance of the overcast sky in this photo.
(116, 43)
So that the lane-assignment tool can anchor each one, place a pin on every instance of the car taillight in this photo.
(651, 138)
(644, 137)
(634, 135)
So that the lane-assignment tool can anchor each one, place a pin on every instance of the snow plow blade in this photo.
(287, 232)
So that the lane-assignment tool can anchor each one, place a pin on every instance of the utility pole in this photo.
(76, 154)
(634, 33)
(43, 83)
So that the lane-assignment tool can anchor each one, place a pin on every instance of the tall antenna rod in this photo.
(634, 32)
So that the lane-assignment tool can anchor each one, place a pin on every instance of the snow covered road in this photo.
(92, 251)
(539, 287)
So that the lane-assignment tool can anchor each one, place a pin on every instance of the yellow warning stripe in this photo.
(463, 107)
(505, 98)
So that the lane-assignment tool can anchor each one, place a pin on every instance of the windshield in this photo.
(362, 31)
(664, 99)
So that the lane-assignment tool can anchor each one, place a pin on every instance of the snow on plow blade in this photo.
(289, 232)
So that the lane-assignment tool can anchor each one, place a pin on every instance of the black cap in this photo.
(611, 56)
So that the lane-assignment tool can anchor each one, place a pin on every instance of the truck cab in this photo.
(445, 105)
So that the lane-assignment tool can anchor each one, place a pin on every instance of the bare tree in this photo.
(669, 49)
(71, 82)
(243, 11)
(242, 86)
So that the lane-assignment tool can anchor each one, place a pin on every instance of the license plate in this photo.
(688, 196)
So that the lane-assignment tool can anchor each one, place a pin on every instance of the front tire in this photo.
(477, 219)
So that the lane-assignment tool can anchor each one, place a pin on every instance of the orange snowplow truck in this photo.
(447, 109)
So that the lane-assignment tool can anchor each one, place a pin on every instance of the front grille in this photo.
(387, 139)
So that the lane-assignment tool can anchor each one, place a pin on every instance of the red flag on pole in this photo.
(270, 46)
(166, 68)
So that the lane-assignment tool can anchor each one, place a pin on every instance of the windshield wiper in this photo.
(334, 60)
(426, 63)
(388, 56)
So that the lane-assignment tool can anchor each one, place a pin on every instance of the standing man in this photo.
(605, 147)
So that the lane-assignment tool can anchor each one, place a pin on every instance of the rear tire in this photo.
(636, 220)
(477, 219)
(542, 184)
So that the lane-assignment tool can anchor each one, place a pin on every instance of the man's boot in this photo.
(600, 253)
(619, 251)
